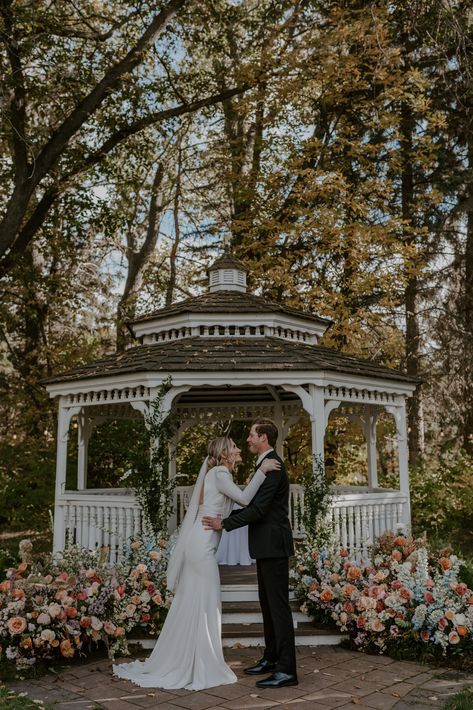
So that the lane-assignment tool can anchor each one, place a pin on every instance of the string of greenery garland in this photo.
(149, 476)
(317, 501)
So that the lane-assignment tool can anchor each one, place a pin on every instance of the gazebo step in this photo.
(242, 593)
(250, 607)
(251, 636)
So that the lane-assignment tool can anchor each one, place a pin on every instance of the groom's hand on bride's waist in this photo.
(210, 523)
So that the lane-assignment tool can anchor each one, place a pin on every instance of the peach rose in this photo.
(71, 612)
(429, 597)
(348, 589)
(63, 577)
(361, 622)
(445, 563)
(82, 595)
(130, 609)
(27, 643)
(405, 593)
(85, 622)
(376, 625)
(5, 585)
(145, 617)
(443, 623)
(354, 573)
(162, 543)
(44, 619)
(314, 555)
(461, 588)
(67, 649)
(344, 552)
(399, 540)
(18, 593)
(109, 628)
(157, 599)
(396, 555)
(134, 545)
(140, 569)
(326, 595)
(119, 631)
(314, 585)
(450, 614)
(155, 555)
(462, 631)
(348, 607)
(425, 636)
(16, 625)
(453, 637)
(22, 567)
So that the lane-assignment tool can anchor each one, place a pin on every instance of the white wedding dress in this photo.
(188, 653)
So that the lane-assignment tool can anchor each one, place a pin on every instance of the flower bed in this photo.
(62, 607)
(401, 597)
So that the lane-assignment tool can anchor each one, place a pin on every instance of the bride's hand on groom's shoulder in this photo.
(269, 465)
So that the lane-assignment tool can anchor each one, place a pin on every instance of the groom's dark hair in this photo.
(268, 427)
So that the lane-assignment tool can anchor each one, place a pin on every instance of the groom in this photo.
(270, 543)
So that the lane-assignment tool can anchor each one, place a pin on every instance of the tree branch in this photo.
(59, 140)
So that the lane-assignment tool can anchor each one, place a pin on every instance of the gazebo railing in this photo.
(99, 517)
(93, 518)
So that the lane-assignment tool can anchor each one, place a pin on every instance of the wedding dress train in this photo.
(188, 653)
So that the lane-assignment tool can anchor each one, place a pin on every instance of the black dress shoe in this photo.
(262, 666)
(277, 680)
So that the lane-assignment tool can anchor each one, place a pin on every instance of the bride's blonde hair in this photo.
(216, 448)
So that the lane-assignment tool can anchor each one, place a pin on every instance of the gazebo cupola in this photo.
(227, 274)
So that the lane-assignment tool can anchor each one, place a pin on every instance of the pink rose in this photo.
(54, 610)
(44, 619)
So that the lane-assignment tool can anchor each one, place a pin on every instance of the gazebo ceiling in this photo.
(232, 354)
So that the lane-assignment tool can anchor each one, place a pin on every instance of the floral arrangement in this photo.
(401, 595)
(61, 607)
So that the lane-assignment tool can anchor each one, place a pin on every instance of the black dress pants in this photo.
(273, 589)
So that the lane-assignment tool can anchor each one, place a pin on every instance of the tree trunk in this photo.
(138, 260)
(411, 294)
(467, 310)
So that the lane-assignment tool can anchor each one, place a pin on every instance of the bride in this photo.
(188, 653)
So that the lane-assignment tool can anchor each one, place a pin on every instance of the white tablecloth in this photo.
(233, 548)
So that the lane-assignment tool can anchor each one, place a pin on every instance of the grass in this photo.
(461, 701)
(9, 700)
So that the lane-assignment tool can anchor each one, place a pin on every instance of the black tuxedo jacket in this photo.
(267, 517)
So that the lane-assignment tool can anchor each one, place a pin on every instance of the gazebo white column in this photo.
(64, 417)
(399, 413)
(371, 418)
(313, 401)
(84, 431)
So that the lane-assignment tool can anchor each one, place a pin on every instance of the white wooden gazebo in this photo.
(229, 354)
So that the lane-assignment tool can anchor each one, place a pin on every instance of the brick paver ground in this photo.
(329, 677)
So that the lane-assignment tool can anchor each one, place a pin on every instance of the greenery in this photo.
(19, 701)
(149, 473)
(317, 501)
(461, 701)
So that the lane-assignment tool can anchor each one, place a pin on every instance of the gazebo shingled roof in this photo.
(229, 302)
(223, 354)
